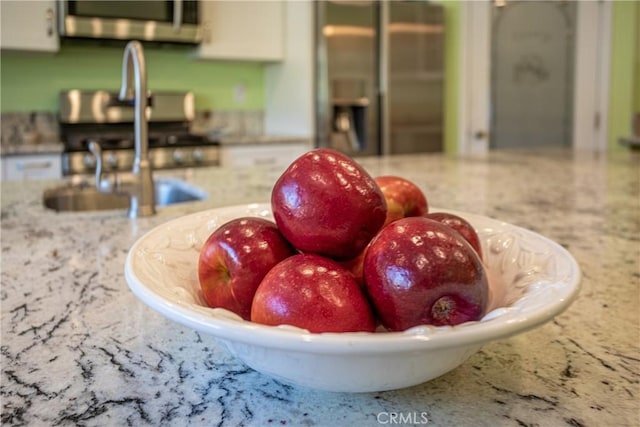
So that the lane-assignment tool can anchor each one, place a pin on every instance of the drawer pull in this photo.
(34, 165)
(265, 161)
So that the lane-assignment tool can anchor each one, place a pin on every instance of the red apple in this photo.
(461, 225)
(326, 203)
(418, 271)
(354, 266)
(234, 260)
(314, 293)
(403, 197)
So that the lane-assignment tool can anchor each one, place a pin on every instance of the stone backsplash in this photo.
(228, 123)
(29, 128)
(33, 128)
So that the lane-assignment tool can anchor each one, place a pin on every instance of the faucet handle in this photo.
(96, 150)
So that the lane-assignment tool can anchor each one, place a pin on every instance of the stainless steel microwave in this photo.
(174, 21)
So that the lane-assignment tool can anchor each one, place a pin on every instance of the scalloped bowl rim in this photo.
(225, 325)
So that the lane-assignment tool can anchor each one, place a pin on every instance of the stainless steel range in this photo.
(99, 116)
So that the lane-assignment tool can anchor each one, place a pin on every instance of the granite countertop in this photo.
(78, 348)
(264, 139)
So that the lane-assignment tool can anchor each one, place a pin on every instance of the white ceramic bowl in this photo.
(532, 280)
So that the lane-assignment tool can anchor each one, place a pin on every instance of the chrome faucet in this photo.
(134, 89)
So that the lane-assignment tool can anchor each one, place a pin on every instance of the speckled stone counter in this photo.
(264, 140)
(78, 348)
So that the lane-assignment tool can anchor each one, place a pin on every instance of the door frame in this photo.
(591, 82)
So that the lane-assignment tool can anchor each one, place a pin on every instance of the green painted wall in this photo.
(452, 74)
(31, 82)
(637, 66)
(624, 77)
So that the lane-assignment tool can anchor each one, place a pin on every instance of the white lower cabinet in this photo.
(273, 156)
(31, 167)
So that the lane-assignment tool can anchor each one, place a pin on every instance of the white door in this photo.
(585, 129)
(532, 59)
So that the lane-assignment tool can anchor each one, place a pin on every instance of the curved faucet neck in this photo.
(134, 88)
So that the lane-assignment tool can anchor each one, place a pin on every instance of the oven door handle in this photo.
(177, 15)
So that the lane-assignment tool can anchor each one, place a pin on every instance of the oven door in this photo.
(174, 21)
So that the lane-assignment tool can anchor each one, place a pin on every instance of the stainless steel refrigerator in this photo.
(379, 76)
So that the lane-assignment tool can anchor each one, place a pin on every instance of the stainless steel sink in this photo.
(85, 197)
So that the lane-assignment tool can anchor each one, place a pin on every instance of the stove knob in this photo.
(172, 139)
(112, 160)
(198, 155)
(178, 156)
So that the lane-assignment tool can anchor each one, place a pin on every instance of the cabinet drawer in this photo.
(31, 167)
(273, 156)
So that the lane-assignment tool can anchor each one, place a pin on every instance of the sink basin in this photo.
(170, 191)
(85, 197)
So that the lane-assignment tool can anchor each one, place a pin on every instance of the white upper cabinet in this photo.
(243, 30)
(29, 25)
